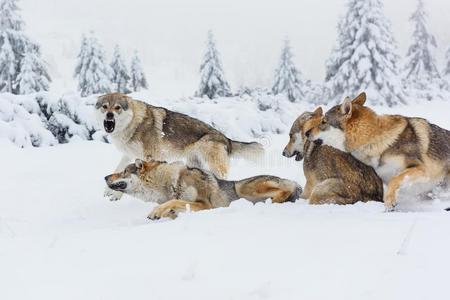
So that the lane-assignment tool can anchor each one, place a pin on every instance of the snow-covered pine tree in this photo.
(138, 79)
(120, 75)
(92, 71)
(14, 40)
(287, 77)
(446, 71)
(365, 57)
(32, 77)
(7, 65)
(420, 68)
(212, 79)
(82, 62)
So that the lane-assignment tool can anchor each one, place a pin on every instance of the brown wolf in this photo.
(177, 187)
(147, 132)
(405, 152)
(332, 176)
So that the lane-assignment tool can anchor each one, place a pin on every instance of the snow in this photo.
(60, 239)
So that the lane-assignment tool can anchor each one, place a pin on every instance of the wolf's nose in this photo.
(110, 116)
(106, 178)
(285, 153)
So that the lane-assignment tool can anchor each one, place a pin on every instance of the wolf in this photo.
(140, 130)
(177, 187)
(332, 176)
(406, 152)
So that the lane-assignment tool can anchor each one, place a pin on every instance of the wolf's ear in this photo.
(360, 99)
(346, 107)
(318, 112)
(139, 163)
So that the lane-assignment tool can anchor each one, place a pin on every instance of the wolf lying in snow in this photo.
(176, 187)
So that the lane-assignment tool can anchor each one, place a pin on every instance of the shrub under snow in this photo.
(42, 119)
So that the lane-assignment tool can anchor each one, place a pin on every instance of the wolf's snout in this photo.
(287, 153)
(117, 186)
(109, 116)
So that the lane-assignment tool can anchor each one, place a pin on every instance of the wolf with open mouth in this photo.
(140, 130)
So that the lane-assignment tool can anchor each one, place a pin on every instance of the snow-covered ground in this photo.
(60, 239)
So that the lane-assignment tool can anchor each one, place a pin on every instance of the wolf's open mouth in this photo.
(118, 186)
(109, 125)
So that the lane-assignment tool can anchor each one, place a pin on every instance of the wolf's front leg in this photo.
(115, 195)
(409, 176)
(171, 208)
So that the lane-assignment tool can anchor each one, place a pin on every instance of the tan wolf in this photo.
(140, 130)
(177, 187)
(407, 153)
(332, 176)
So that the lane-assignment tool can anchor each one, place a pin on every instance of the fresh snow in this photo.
(61, 239)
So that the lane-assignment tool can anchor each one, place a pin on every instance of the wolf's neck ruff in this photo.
(333, 137)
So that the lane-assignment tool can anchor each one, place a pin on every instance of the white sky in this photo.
(170, 35)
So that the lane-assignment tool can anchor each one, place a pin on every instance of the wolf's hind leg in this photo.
(171, 208)
(329, 192)
(211, 156)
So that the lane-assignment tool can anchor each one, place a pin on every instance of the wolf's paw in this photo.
(112, 195)
(165, 210)
(390, 201)
(389, 207)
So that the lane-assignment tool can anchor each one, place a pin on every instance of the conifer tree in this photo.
(7, 65)
(212, 79)
(288, 77)
(138, 79)
(446, 71)
(420, 68)
(120, 77)
(92, 71)
(365, 57)
(15, 46)
(32, 77)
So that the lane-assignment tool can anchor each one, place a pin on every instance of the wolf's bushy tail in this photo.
(248, 150)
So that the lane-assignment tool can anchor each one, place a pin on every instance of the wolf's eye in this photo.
(105, 106)
(117, 107)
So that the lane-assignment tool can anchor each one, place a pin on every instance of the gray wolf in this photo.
(177, 187)
(140, 130)
(407, 153)
(332, 176)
